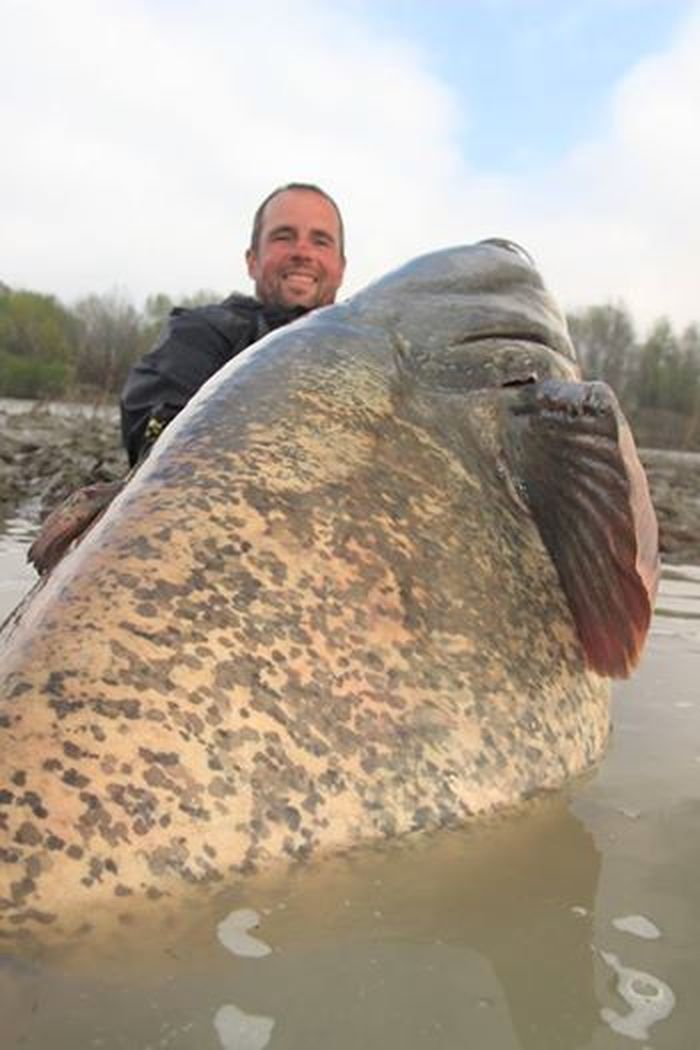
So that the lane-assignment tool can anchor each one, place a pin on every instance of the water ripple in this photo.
(677, 611)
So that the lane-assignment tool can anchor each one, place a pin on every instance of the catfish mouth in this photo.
(532, 378)
(493, 360)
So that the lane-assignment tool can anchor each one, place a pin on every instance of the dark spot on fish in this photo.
(156, 778)
(122, 891)
(312, 801)
(96, 866)
(141, 547)
(75, 852)
(18, 689)
(32, 915)
(91, 801)
(21, 889)
(423, 818)
(27, 835)
(247, 867)
(130, 709)
(292, 817)
(73, 778)
(55, 683)
(332, 781)
(72, 750)
(164, 758)
(6, 797)
(63, 708)
(192, 810)
(220, 788)
(32, 800)
(54, 842)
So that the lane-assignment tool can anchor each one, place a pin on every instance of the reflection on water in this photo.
(572, 925)
(16, 576)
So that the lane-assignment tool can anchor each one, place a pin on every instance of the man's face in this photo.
(298, 260)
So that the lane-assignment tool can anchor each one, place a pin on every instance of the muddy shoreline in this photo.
(45, 454)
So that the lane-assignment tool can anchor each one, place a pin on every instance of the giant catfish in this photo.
(372, 580)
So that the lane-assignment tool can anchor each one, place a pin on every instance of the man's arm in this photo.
(192, 346)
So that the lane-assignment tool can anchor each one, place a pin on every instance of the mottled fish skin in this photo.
(318, 615)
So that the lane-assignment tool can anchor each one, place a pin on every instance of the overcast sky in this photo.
(139, 135)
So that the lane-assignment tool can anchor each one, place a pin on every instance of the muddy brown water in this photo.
(574, 924)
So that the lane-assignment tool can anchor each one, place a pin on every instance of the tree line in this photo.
(83, 352)
(657, 379)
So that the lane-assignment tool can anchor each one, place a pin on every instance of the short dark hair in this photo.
(309, 187)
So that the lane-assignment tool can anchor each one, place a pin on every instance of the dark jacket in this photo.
(193, 344)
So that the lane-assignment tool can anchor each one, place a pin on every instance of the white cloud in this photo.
(618, 217)
(140, 136)
(143, 138)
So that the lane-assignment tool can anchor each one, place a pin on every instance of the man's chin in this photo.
(307, 301)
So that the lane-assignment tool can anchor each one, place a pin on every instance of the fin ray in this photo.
(571, 450)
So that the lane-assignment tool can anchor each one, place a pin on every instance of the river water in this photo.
(575, 924)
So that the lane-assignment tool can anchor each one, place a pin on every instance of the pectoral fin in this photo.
(69, 522)
(572, 456)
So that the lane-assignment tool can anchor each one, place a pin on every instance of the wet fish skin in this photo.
(322, 612)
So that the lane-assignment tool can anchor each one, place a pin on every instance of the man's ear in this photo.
(251, 260)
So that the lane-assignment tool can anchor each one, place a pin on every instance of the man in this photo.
(296, 259)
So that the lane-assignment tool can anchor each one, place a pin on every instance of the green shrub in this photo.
(28, 377)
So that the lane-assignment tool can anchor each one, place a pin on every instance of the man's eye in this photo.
(281, 235)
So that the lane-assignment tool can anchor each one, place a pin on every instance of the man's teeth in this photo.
(294, 276)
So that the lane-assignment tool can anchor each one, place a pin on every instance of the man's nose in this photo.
(303, 246)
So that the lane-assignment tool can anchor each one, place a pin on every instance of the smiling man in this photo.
(296, 255)
(296, 259)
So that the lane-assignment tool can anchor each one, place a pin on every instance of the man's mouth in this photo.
(302, 278)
